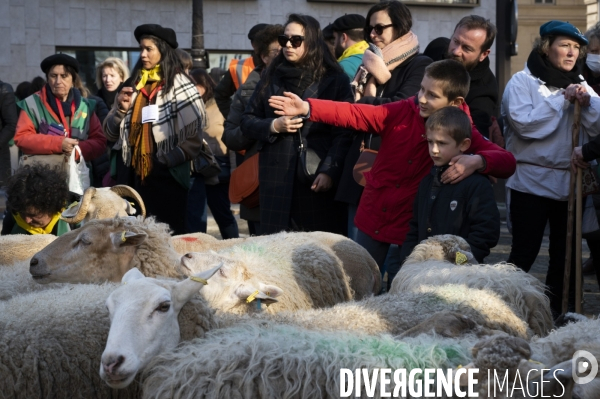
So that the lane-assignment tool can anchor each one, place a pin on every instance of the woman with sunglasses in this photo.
(307, 68)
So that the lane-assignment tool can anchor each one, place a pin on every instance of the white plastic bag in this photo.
(79, 173)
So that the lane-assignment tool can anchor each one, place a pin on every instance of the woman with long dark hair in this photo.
(159, 133)
(307, 68)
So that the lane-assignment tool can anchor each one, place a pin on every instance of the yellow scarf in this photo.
(356, 48)
(37, 230)
(151, 74)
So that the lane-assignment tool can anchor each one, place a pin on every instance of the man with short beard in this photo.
(470, 44)
(349, 44)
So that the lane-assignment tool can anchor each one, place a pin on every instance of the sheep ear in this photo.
(248, 293)
(127, 238)
(71, 211)
(130, 210)
(131, 275)
(558, 382)
(464, 379)
(185, 290)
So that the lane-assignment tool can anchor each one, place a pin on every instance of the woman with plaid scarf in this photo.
(157, 127)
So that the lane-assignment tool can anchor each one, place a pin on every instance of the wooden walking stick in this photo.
(567, 275)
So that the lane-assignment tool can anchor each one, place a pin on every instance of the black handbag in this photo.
(308, 163)
(205, 164)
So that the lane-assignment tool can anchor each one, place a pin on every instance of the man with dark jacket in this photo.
(8, 124)
(470, 44)
(238, 72)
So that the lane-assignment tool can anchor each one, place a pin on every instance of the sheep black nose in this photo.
(112, 365)
(33, 262)
(188, 255)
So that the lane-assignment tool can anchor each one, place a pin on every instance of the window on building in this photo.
(89, 58)
(544, 1)
(221, 59)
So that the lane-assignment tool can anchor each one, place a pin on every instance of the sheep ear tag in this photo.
(453, 205)
(461, 258)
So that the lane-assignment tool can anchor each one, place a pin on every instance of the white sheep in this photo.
(51, 342)
(275, 361)
(521, 290)
(103, 250)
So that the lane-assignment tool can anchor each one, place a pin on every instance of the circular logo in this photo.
(584, 367)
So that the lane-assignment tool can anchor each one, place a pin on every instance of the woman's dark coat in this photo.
(285, 203)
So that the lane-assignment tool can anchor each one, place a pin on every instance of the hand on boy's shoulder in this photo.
(461, 167)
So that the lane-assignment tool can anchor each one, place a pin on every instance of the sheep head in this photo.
(103, 203)
(446, 247)
(143, 313)
(233, 287)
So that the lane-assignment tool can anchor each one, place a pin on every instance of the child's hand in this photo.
(289, 104)
(461, 167)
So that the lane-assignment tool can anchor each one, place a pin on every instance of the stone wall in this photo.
(34, 28)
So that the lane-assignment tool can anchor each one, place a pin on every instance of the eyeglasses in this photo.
(378, 28)
(295, 40)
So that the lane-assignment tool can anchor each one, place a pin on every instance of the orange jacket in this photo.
(240, 69)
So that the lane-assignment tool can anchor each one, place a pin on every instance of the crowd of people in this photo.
(313, 103)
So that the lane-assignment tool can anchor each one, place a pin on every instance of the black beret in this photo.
(328, 32)
(255, 29)
(348, 22)
(166, 34)
(59, 59)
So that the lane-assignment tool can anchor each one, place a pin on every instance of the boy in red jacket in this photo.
(403, 160)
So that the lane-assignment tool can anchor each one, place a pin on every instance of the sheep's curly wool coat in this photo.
(19, 247)
(51, 342)
(522, 291)
(396, 314)
(274, 361)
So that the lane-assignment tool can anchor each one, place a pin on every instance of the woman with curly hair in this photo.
(157, 129)
(37, 194)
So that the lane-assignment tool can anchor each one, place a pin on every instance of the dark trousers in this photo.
(529, 215)
(217, 197)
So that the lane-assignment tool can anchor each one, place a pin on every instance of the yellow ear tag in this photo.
(460, 258)
(199, 280)
(252, 296)
(123, 238)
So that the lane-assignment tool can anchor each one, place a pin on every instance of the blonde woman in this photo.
(109, 75)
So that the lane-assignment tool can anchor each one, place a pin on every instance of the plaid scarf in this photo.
(181, 115)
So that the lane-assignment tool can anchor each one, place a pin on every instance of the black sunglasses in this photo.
(296, 40)
(378, 28)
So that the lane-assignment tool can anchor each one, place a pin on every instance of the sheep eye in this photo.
(222, 273)
(164, 307)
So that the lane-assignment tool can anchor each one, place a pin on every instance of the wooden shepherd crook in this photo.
(574, 185)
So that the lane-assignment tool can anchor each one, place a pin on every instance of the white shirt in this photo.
(538, 131)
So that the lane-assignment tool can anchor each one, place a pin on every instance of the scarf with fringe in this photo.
(377, 64)
(181, 115)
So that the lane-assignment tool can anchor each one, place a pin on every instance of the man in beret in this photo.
(349, 44)
(238, 73)
(470, 44)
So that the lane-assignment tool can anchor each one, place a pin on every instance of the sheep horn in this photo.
(83, 208)
(126, 191)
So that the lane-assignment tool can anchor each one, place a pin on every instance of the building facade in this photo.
(92, 30)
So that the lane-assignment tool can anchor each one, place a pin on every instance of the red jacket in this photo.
(386, 205)
(31, 143)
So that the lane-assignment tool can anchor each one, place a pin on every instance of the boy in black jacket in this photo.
(468, 208)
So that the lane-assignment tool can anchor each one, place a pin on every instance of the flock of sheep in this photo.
(161, 316)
